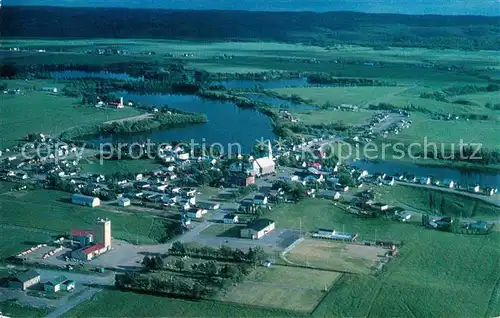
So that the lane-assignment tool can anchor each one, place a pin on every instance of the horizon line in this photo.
(249, 10)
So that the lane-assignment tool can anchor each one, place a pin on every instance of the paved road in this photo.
(492, 200)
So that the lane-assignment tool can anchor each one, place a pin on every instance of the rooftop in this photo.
(56, 281)
(259, 224)
(92, 249)
(26, 276)
(81, 232)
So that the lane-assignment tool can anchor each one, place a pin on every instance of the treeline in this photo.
(391, 107)
(161, 120)
(224, 253)
(323, 78)
(444, 94)
(170, 286)
(466, 154)
(324, 29)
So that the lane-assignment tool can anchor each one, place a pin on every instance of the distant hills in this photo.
(376, 30)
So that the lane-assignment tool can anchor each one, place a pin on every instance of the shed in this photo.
(54, 285)
(124, 202)
(85, 200)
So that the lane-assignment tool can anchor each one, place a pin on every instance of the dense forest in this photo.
(376, 30)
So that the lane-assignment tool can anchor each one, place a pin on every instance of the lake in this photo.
(72, 74)
(463, 177)
(226, 124)
(278, 102)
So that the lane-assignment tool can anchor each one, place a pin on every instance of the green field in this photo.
(440, 203)
(124, 166)
(334, 116)
(283, 287)
(445, 133)
(12, 309)
(41, 112)
(16, 239)
(41, 207)
(340, 95)
(223, 230)
(114, 303)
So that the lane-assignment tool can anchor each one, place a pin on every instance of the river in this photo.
(227, 123)
(463, 177)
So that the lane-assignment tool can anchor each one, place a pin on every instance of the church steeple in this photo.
(269, 150)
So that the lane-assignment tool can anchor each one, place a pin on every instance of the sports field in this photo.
(283, 287)
(331, 255)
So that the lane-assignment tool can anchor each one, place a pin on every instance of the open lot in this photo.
(331, 255)
(283, 287)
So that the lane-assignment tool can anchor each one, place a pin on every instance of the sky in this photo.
(445, 7)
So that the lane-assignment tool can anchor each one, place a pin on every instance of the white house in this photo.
(123, 202)
(388, 181)
(474, 188)
(260, 199)
(230, 219)
(425, 180)
(138, 177)
(449, 183)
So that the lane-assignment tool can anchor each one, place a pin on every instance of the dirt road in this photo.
(133, 118)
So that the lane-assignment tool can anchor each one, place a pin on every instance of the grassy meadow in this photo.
(333, 116)
(12, 309)
(123, 166)
(41, 207)
(41, 112)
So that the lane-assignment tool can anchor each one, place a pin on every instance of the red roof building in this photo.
(92, 249)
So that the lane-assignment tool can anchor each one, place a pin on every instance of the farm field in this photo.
(333, 116)
(481, 98)
(40, 112)
(41, 207)
(445, 133)
(340, 95)
(283, 287)
(329, 255)
(123, 166)
(439, 203)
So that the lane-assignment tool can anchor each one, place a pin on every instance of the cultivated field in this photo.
(331, 255)
(283, 287)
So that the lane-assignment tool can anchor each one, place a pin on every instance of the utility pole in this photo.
(300, 227)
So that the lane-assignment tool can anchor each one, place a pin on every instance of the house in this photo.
(190, 192)
(388, 180)
(195, 213)
(230, 219)
(425, 180)
(380, 206)
(241, 179)
(55, 284)
(449, 183)
(25, 280)
(85, 200)
(89, 252)
(474, 188)
(260, 199)
(479, 226)
(83, 237)
(491, 191)
(257, 229)
(124, 202)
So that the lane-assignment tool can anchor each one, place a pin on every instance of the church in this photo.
(265, 165)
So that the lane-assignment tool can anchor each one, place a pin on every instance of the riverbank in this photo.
(145, 123)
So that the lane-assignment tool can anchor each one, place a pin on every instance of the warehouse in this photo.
(25, 280)
(85, 200)
(257, 229)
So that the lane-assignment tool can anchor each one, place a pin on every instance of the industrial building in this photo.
(25, 280)
(257, 229)
(100, 243)
(59, 283)
(82, 237)
(85, 200)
